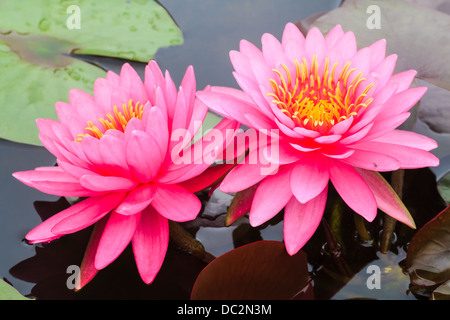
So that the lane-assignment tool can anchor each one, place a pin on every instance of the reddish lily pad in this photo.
(261, 270)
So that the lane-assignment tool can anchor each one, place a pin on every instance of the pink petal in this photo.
(132, 84)
(271, 196)
(271, 49)
(292, 33)
(116, 236)
(87, 269)
(113, 154)
(383, 71)
(144, 156)
(243, 176)
(301, 221)
(302, 148)
(346, 47)
(378, 50)
(170, 95)
(176, 203)
(409, 139)
(53, 129)
(228, 106)
(353, 190)
(153, 79)
(402, 101)
(385, 125)
(387, 200)
(309, 177)
(357, 136)
(150, 243)
(328, 139)
(333, 36)
(341, 127)
(315, 44)
(410, 158)
(92, 210)
(44, 233)
(293, 42)
(372, 161)
(54, 181)
(73, 170)
(188, 83)
(68, 118)
(136, 200)
(106, 183)
(181, 113)
(85, 106)
(404, 79)
(210, 176)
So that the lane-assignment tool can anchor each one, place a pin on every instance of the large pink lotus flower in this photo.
(336, 110)
(122, 149)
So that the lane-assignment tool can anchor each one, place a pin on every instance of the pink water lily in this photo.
(336, 110)
(117, 148)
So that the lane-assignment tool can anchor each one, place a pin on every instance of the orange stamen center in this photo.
(318, 102)
(117, 121)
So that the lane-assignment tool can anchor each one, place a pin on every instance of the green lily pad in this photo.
(7, 292)
(39, 40)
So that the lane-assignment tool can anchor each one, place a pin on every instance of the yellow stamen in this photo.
(317, 100)
(118, 120)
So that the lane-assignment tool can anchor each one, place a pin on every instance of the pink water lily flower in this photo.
(336, 110)
(118, 149)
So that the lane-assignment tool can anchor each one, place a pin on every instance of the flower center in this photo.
(318, 102)
(118, 120)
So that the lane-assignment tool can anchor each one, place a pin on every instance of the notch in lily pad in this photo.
(38, 51)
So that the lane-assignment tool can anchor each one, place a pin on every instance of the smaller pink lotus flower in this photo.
(336, 109)
(118, 149)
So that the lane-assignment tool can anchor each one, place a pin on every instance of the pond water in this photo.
(211, 29)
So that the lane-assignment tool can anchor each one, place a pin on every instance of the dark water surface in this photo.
(211, 29)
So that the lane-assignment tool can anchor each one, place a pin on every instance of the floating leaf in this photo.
(260, 270)
(428, 257)
(38, 40)
(434, 108)
(7, 292)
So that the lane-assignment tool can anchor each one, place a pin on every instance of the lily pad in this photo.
(415, 33)
(428, 257)
(39, 42)
(260, 270)
(7, 292)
